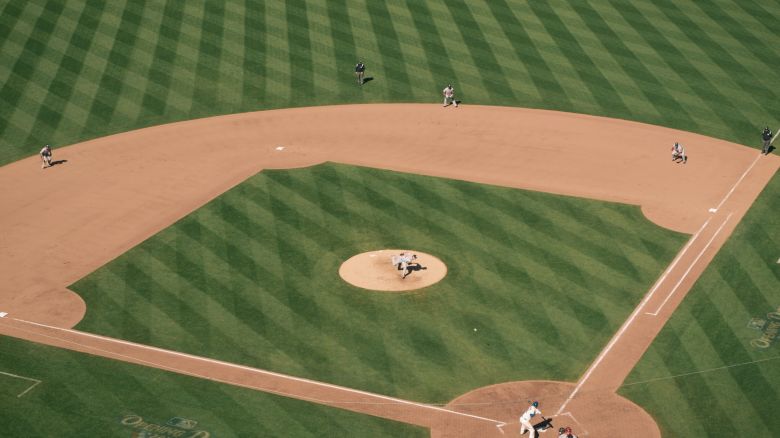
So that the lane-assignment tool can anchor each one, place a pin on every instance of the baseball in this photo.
(475, 329)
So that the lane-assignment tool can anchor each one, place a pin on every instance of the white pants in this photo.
(526, 425)
(450, 100)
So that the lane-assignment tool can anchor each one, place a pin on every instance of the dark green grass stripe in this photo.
(61, 88)
(730, 116)
(769, 19)
(435, 54)
(539, 69)
(155, 99)
(729, 347)
(600, 87)
(25, 66)
(491, 73)
(400, 84)
(104, 102)
(651, 86)
(739, 279)
(341, 34)
(255, 59)
(300, 51)
(9, 17)
(739, 74)
(761, 51)
(678, 353)
(205, 93)
(343, 39)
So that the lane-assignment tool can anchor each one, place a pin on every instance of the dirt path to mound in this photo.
(62, 223)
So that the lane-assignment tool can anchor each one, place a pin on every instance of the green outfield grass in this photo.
(82, 395)
(724, 385)
(71, 71)
(252, 278)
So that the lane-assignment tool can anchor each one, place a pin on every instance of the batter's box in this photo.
(16, 386)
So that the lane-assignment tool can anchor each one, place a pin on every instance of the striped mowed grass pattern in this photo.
(702, 376)
(71, 71)
(84, 395)
(252, 278)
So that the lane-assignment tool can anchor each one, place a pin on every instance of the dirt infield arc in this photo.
(114, 192)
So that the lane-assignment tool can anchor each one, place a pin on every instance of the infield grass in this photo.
(82, 395)
(252, 278)
(701, 376)
(70, 71)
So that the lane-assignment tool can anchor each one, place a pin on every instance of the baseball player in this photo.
(678, 153)
(360, 71)
(566, 433)
(525, 419)
(403, 263)
(46, 157)
(449, 96)
(767, 137)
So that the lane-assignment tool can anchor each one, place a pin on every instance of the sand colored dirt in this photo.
(374, 271)
(62, 223)
(509, 400)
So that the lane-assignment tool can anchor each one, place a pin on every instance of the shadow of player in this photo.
(544, 425)
(413, 267)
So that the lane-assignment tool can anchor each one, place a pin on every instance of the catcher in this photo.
(565, 432)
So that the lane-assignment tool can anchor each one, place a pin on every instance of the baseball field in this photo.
(177, 271)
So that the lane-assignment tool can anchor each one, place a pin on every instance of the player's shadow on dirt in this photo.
(415, 267)
(56, 162)
(771, 148)
(543, 426)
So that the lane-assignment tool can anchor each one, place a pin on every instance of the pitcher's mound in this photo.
(375, 270)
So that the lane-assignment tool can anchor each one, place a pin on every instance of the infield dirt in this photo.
(62, 223)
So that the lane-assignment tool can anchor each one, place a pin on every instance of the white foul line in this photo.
(36, 382)
(630, 319)
(242, 367)
(685, 274)
(674, 262)
(773, 138)
(579, 425)
(736, 184)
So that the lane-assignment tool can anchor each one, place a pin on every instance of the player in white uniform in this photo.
(449, 96)
(678, 153)
(525, 419)
(402, 263)
(46, 156)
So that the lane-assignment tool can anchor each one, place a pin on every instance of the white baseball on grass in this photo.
(475, 329)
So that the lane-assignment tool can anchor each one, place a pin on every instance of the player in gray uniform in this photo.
(678, 153)
(449, 96)
(46, 156)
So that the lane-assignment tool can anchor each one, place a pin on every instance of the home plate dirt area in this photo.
(117, 191)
